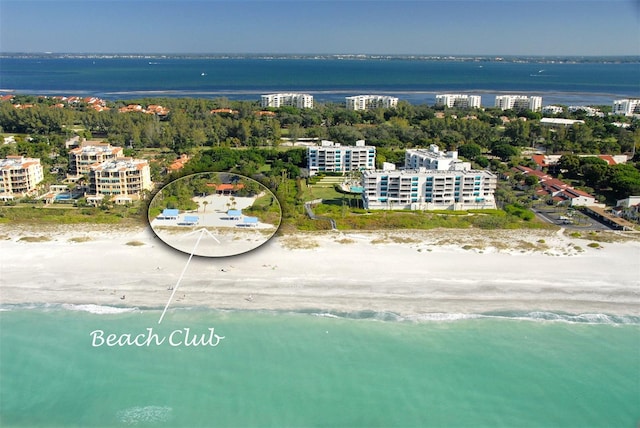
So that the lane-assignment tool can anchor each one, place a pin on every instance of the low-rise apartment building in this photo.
(287, 99)
(19, 176)
(558, 191)
(333, 157)
(368, 102)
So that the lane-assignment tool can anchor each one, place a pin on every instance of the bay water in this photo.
(570, 83)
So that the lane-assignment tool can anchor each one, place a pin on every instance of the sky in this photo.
(425, 27)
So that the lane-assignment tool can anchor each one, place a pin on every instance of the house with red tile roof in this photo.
(559, 191)
(226, 188)
(179, 163)
(223, 110)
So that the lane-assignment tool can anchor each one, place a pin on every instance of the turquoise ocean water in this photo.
(306, 370)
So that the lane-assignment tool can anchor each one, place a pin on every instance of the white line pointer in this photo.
(182, 274)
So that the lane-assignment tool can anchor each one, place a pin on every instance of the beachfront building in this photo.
(428, 189)
(81, 158)
(124, 178)
(626, 107)
(19, 176)
(628, 208)
(433, 158)
(518, 102)
(288, 99)
(333, 157)
(458, 101)
(368, 102)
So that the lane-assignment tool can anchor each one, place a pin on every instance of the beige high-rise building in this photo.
(20, 175)
(122, 177)
(81, 158)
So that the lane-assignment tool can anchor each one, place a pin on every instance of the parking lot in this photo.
(568, 218)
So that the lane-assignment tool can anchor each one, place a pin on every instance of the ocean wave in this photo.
(48, 307)
(144, 415)
(534, 316)
(364, 315)
(98, 309)
(586, 318)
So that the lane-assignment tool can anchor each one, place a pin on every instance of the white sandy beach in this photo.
(410, 273)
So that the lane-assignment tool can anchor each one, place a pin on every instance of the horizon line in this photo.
(270, 54)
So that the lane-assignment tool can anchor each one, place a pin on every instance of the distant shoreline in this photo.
(556, 59)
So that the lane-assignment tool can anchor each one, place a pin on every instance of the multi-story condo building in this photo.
(20, 175)
(458, 100)
(367, 102)
(433, 158)
(333, 157)
(81, 158)
(518, 102)
(425, 189)
(120, 177)
(626, 107)
(289, 99)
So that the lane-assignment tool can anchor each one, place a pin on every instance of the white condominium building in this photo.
(81, 158)
(20, 175)
(367, 102)
(627, 107)
(425, 189)
(552, 109)
(518, 102)
(290, 99)
(332, 157)
(433, 158)
(458, 100)
(122, 176)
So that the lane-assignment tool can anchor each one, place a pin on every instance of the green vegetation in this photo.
(69, 215)
(250, 145)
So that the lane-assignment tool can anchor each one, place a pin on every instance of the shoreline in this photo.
(409, 273)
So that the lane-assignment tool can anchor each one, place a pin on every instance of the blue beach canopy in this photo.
(234, 213)
(191, 219)
(170, 213)
(250, 220)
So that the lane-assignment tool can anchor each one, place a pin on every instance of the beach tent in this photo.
(249, 222)
(234, 214)
(190, 220)
(169, 214)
